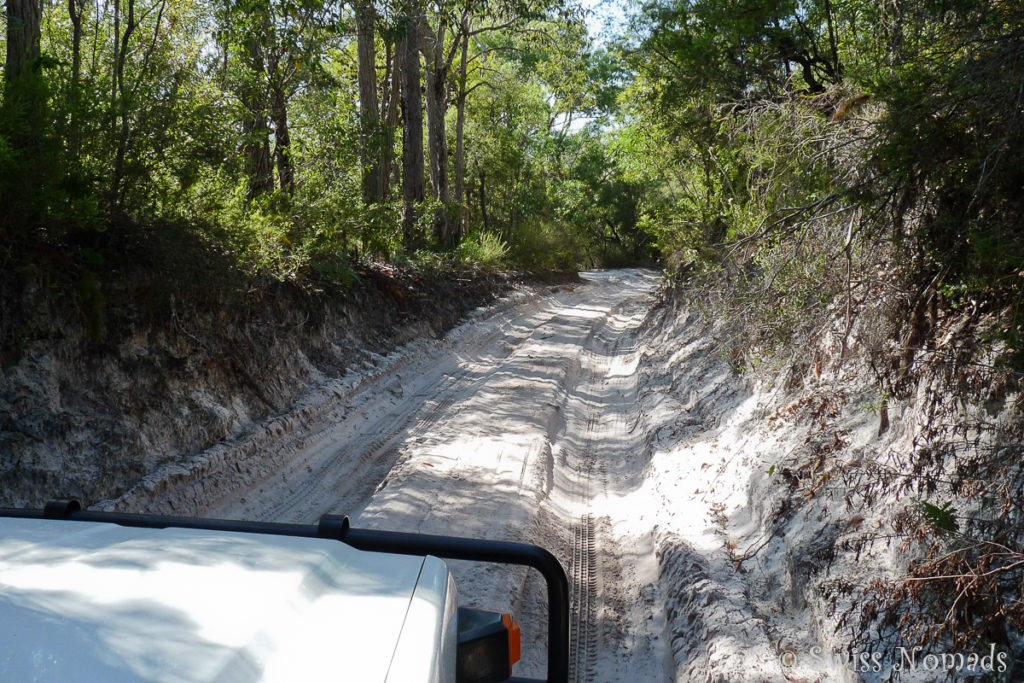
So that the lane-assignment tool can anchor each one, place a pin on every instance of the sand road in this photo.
(520, 427)
(587, 420)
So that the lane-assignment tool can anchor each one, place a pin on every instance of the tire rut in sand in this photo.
(585, 632)
(598, 623)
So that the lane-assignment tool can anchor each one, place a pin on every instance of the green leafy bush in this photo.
(483, 249)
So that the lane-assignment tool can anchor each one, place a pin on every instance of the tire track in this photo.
(585, 632)
(515, 432)
(596, 626)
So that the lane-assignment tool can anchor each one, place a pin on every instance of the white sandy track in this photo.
(519, 427)
(580, 419)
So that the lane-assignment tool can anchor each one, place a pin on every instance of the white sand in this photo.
(548, 419)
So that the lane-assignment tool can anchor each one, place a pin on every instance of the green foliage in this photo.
(601, 203)
(238, 123)
(954, 128)
(730, 50)
(485, 250)
(336, 269)
(30, 164)
(7, 153)
(548, 246)
(942, 518)
(780, 138)
(537, 177)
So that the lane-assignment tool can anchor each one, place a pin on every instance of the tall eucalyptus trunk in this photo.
(436, 78)
(460, 144)
(413, 190)
(121, 105)
(24, 104)
(74, 141)
(256, 126)
(282, 141)
(24, 93)
(370, 149)
(483, 201)
(393, 96)
(23, 21)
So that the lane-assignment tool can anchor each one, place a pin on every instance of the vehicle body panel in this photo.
(428, 643)
(97, 601)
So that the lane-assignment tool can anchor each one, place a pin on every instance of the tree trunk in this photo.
(282, 142)
(370, 148)
(460, 149)
(23, 120)
(413, 191)
(394, 96)
(437, 142)
(117, 59)
(256, 128)
(120, 98)
(483, 201)
(75, 9)
(22, 66)
(835, 64)
(23, 21)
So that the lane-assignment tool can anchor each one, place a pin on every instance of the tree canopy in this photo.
(302, 134)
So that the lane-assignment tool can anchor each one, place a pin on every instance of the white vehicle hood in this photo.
(99, 602)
